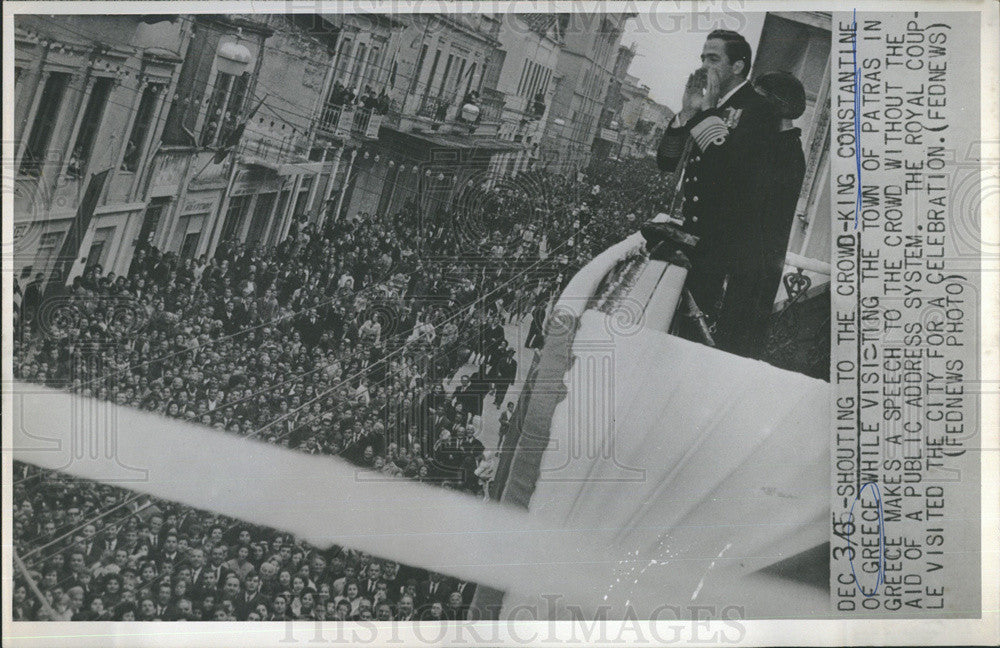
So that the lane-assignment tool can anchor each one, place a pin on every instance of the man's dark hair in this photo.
(737, 47)
(122, 609)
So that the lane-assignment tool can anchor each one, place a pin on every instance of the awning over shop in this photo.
(429, 141)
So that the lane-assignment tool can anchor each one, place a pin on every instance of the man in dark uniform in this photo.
(756, 276)
(729, 126)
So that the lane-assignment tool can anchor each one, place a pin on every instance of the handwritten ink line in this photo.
(857, 117)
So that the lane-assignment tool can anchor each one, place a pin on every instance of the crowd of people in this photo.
(341, 95)
(342, 340)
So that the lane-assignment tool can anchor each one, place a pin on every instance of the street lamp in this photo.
(470, 112)
(233, 58)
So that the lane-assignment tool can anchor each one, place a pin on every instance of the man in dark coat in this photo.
(536, 337)
(448, 458)
(754, 282)
(434, 589)
(479, 387)
(496, 343)
(729, 126)
(32, 299)
(251, 596)
(506, 373)
(466, 395)
(472, 452)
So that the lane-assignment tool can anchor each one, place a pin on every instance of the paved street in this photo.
(516, 334)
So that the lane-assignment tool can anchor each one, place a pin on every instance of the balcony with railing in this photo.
(367, 122)
(336, 120)
(346, 120)
(491, 105)
(436, 108)
(329, 117)
(447, 114)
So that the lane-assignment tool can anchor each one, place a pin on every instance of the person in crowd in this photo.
(504, 374)
(486, 471)
(535, 333)
(454, 610)
(506, 416)
(289, 345)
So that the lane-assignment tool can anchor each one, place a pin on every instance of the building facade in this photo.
(584, 70)
(649, 127)
(184, 131)
(610, 136)
(632, 122)
(188, 191)
(531, 45)
(440, 132)
(90, 95)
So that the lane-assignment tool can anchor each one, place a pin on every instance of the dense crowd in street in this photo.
(342, 340)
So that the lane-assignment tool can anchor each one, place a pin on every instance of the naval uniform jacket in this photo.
(718, 180)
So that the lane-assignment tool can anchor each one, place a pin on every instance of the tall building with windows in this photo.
(648, 126)
(188, 184)
(245, 152)
(362, 75)
(90, 96)
(585, 66)
(180, 131)
(609, 139)
(439, 135)
(531, 44)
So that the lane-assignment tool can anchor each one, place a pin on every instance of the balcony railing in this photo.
(337, 120)
(434, 107)
(442, 109)
(491, 106)
(367, 122)
(329, 117)
(344, 120)
(443, 114)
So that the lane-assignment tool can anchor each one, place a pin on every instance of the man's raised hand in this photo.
(694, 94)
(713, 88)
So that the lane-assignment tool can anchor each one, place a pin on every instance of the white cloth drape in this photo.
(693, 465)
